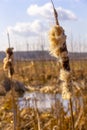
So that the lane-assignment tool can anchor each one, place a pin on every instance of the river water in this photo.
(43, 101)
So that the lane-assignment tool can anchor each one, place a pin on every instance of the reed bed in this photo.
(57, 118)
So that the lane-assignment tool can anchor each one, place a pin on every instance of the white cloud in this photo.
(65, 14)
(28, 29)
(47, 11)
(43, 11)
(38, 27)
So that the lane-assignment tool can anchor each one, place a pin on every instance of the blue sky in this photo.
(29, 22)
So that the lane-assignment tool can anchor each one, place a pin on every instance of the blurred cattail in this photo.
(9, 62)
(65, 75)
(9, 66)
(66, 90)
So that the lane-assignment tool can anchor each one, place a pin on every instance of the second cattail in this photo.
(9, 62)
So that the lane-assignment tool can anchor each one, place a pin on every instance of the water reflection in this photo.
(41, 100)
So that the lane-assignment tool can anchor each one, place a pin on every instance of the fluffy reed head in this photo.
(6, 63)
(57, 39)
(9, 62)
(9, 51)
(66, 91)
(57, 30)
(58, 49)
(65, 75)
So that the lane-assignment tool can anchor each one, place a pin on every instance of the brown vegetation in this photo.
(46, 73)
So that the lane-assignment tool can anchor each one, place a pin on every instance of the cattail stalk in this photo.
(71, 110)
(14, 107)
(8, 39)
(37, 115)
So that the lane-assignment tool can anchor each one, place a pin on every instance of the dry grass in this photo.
(45, 73)
(42, 72)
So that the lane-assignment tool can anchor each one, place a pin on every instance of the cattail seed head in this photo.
(66, 91)
(9, 62)
(65, 75)
(57, 39)
(58, 49)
